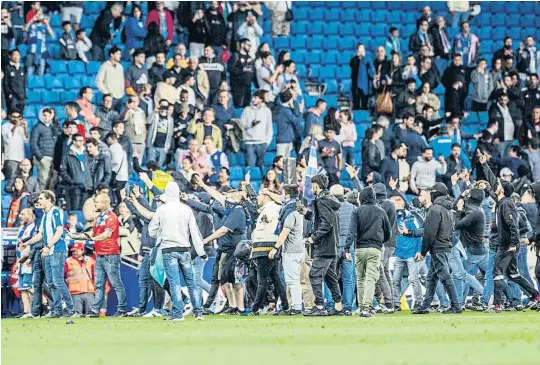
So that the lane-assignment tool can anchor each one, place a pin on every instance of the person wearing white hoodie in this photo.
(175, 225)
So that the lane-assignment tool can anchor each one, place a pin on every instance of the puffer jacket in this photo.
(43, 140)
(326, 223)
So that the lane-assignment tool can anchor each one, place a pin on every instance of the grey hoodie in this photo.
(482, 86)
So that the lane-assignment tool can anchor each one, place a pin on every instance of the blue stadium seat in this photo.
(528, 20)
(512, 7)
(378, 16)
(23, 48)
(363, 4)
(327, 73)
(298, 42)
(301, 70)
(498, 34)
(363, 16)
(58, 67)
(347, 15)
(332, 15)
(345, 86)
(53, 82)
(237, 173)
(483, 33)
(316, 14)
(316, 42)
(514, 32)
(255, 173)
(55, 21)
(378, 30)
(332, 42)
(313, 57)
(393, 18)
(331, 87)
(299, 27)
(269, 159)
(76, 67)
(346, 29)
(483, 19)
(361, 116)
(378, 5)
(36, 82)
(513, 20)
(485, 46)
(329, 58)
(343, 72)
(298, 56)
(408, 18)
(72, 83)
(281, 43)
(347, 44)
(33, 97)
(317, 27)
(362, 30)
(331, 100)
(50, 97)
(498, 21)
(301, 13)
(272, 146)
(92, 67)
(29, 112)
(526, 7)
(331, 28)
(256, 185)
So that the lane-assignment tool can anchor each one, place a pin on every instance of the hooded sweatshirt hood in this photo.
(380, 191)
(326, 198)
(367, 197)
(172, 193)
(444, 201)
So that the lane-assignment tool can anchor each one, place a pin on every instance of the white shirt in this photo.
(119, 162)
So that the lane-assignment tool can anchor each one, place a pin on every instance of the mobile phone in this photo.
(128, 189)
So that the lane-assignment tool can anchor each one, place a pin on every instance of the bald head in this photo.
(27, 216)
(102, 202)
(193, 62)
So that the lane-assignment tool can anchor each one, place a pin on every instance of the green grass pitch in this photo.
(469, 339)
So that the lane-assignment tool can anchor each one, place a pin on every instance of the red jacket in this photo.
(153, 16)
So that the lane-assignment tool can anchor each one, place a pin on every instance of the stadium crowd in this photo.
(146, 174)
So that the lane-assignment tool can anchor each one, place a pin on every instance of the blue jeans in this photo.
(489, 285)
(348, 279)
(145, 282)
(34, 60)
(198, 271)
(400, 265)
(54, 272)
(460, 17)
(348, 155)
(108, 266)
(255, 154)
(471, 265)
(38, 279)
(460, 276)
(157, 154)
(174, 262)
(522, 264)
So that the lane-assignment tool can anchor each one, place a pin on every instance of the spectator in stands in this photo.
(72, 112)
(396, 73)
(119, 129)
(99, 165)
(37, 29)
(201, 87)
(19, 201)
(135, 124)
(330, 155)
(533, 153)
(454, 165)
(145, 99)
(501, 112)
(406, 100)
(160, 131)
(389, 166)
(441, 42)
(513, 161)
(134, 32)
(119, 163)
(101, 33)
(531, 96)
(198, 33)
(42, 141)
(456, 71)
(428, 73)
(67, 43)
(83, 45)
(534, 123)
(14, 83)
(382, 68)
(64, 141)
(506, 50)
(421, 37)
(205, 126)
(528, 58)
(250, 30)
(177, 69)
(75, 173)
(426, 97)
(79, 274)
(313, 117)
(162, 17)
(165, 89)
(7, 34)
(467, 44)
(217, 29)
(155, 73)
(348, 133)
(281, 25)
(413, 139)
(154, 44)
(362, 72)
(267, 76)
(288, 124)
(86, 94)
(424, 171)
(95, 133)
(242, 68)
(224, 113)
(215, 70)
(106, 114)
(72, 11)
(188, 84)
(14, 136)
(256, 120)
(110, 78)
(482, 86)
(393, 42)
(24, 171)
(218, 159)
(410, 70)
(179, 50)
(201, 162)
(459, 11)
(136, 74)
(371, 157)
(508, 64)
(454, 104)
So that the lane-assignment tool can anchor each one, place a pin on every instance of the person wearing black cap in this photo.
(437, 240)
(242, 68)
(330, 155)
(406, 100)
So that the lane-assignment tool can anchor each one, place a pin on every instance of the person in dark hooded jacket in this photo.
(371, 157)
(437, 239)
(535, 187)
(369, 229)
(384, 284)
(324, 241)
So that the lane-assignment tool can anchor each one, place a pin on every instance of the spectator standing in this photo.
(154, 44)
(242, 68)
(145, 99)
(467, 44)
(330, 155)
(25, 172)
(506, 50)
(99, 165)
(533, 153)
(204, 127)
(16, 13)
(95, 133)
(459, 11)
(188, 83)
(135, 123)
(83, 45)
(528, 58)
(482, 86)
(389, 167)
(79, 273)
(281, 25)
(371, 157)
(422, 37)
(424, 171)
(455, 72)
(362, 72)
(198, 33)
(508, 127)
(201, 88)
(19, 202)
(37, 30)
(165, 89)
(106, 114)
(428, 73)
(105, 234)
(136, 74)
(250, 30)
(156, 72)
(256, 120)
(426, 97)
(163, 19)
(110, 78)
(406, 100)
(441, 42)
(288, 125)
(531, 97)
(160, 132)
(67, 43)
(14, 83)
(382, 68)
(454, 104)
(86, 94)
(7, 34)
(42, 142)
(267, 75)
(75, 173)
(63, 142)
(214, 68)
(101, 33)
(14, 136)
(72, 12)
(217, 28)
(119, 129)
(134, 32)
(119, 164)
(72, 112)
(218, 159)
(393, 42)
(349, 136)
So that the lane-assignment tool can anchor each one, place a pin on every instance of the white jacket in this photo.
(266, 223)
(174, 223)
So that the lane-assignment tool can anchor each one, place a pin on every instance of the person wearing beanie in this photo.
(324, 241)
(437, 240)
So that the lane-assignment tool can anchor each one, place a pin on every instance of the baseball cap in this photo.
(440, 188)
(506, 171)
(78, 245)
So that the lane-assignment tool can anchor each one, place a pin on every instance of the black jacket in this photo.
(326, 225)
(371, 158)
(415, 43)
(495, 113)
(438, 227)
(507, 223)
(390, 210)
(61, 148)
(432, 77)
(353, 64)
(155, 74)
(198, 31)
(217, 29)
(531, 99)
(100, 170)
(402, 104)
(242, 68)
(67, 47)
(101, 34)
(154, 44)
(471, 225)
(14, 81)
(369, 226)
(438, 47)
(453, 101)
(453, 74)
(536, 225)
(72, 174)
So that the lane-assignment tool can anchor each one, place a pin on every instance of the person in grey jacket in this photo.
(482, 82)
(43, 141)
(160, 129)
(424, 171)
(256, 120)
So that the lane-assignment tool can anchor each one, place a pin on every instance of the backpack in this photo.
(242, 251)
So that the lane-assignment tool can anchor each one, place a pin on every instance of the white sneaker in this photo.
(174, 319)
(199, 317)
(27, 315)
(152, 314)
(188, 309)
(134, 313)
(386, 310)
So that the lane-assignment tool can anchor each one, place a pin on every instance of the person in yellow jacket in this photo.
(202, 127)
(79, 275)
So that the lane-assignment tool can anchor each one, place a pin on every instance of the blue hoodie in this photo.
(407, 246)
(288, 124)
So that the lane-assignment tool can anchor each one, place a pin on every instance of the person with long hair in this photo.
(263, 48)
(426, 97)
(19, 201)
(331, 119)
(134, 32)
(270, 181)
(283, 56)
(348, 135)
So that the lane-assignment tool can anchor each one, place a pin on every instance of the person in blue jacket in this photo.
(288, 124)
(134, 32)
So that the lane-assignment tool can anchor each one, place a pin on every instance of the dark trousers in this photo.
(98, 53)
(241, 94)
(40, 287)
(76, 198)
(478, 107)
(214, 282)
(16, 103)
(159, 294)
(118, 185)
(440, 270)
(251, 287)
(324, 270)
(360, 100)
(506, 264)
(333, 179)
(267, 268)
